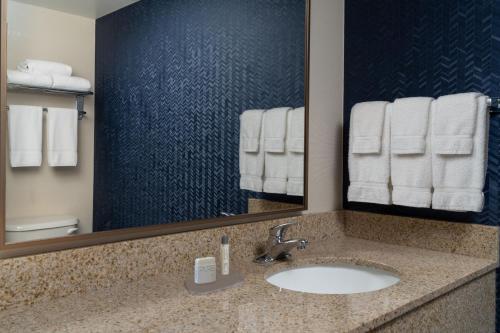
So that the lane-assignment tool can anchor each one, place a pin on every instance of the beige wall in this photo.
(326, 105)
(39, 33)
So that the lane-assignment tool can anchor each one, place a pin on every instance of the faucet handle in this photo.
(280, 230)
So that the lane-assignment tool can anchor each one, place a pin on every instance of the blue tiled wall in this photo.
(400, 48)
(172, 77)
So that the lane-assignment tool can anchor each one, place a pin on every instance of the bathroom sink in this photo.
(333, 279)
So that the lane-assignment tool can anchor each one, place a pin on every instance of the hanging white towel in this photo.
(44, 67)
(295, 152)
(275, 130)
(28, 79)
(411, 158)
(62, 137)
(276, 169)
(367, 127)
(25, 135)
(459, 179)
(250, 130)
(454, 124)
(252, 164)
(70, 83)
(369, 173)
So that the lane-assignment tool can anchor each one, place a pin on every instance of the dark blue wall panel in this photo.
(402, 48)
(172, 77)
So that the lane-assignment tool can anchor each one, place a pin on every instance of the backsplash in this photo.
(424, 48)
(202, 72)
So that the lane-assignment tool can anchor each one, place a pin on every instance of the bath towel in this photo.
(295, 152)
(459, 180)
(367, 127)
(70, 83)
(62, 137)
(28, 79)
(275, 130)
(44, 67)
(252, 164)
(25, 135)
(411, 157)
(369, 173)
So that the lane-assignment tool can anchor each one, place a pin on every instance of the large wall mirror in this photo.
(120, 116)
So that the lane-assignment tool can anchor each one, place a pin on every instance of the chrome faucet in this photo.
(277, 248)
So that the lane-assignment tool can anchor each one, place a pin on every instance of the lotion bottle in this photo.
(224, 255)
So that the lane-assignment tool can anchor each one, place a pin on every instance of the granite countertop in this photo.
(161, 304)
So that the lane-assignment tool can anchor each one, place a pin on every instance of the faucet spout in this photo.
(277, 248)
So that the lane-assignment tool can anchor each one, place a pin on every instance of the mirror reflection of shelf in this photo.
(79, 95)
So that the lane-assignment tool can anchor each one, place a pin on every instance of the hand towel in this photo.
(62, 137)
(275, 130)
(409, 125)
(459, 179)
(295, 132)
(250, 130)
(369, 174)
(25, 135)
(454, 123)
(44, 67)
(252, 165)
(411, 157)
(295, 152)
(28, 79)
(70, 83)
(367, 127)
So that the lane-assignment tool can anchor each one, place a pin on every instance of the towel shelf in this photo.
(79, 95)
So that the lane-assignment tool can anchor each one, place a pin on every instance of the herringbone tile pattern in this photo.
(399, 48)
(172, 77)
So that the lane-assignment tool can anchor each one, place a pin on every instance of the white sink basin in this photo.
(333, 279)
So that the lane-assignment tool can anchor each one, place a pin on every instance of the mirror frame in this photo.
(103, 237)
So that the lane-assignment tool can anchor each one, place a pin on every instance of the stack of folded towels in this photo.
(272, 151)
(47, 74)
(420, 152)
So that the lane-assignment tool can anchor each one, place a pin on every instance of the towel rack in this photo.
(494, 105)
(79, 95)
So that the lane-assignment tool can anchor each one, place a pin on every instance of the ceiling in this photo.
(87, 8)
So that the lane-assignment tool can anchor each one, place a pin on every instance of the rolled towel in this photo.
(275, 130)
(25, 135)
(252, 166)
(28, 79)
(454, 124)
(70, 83)
(44, 67)
(411, 158)
(62, 137)
(369, 174)
(250, 130)
(459, 180)
(367, 127)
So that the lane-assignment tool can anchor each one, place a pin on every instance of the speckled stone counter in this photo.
(161, 304)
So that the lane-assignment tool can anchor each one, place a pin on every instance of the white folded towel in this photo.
(275, 130)
(252, 165)
(411, 158)
(62, 137)
(250, 130)
(454, 124)
(410, 124)
(25, 135)
(44, 67)
(70, 83)
(367, 127)
(28, 79)
(369, 173)
(459, 179)
(295, 132)
(295, 152)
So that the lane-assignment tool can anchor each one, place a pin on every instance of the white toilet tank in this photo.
(43, 227)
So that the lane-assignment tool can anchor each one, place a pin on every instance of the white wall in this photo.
(326, 105)
(35, 32)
